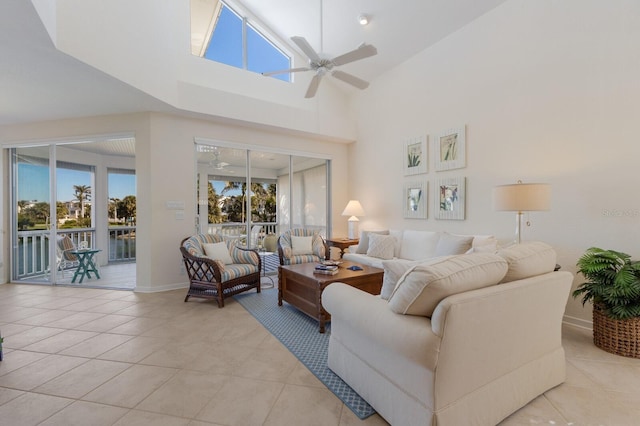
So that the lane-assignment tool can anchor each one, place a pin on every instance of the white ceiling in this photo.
(398, 29)
(39, 83)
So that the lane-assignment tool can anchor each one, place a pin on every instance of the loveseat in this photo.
(461, 340)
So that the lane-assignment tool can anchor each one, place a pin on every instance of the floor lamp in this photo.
(353, 209)
(520, 198)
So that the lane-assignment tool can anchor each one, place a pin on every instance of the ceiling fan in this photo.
(215, 162)
(322, 66)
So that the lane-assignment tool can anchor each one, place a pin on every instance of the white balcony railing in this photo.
(32, 254)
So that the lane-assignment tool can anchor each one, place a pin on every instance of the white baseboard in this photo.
(577, 322)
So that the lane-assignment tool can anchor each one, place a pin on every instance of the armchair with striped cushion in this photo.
(226, 270)
(301, 245)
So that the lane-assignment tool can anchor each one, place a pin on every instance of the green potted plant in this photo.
(613, 287)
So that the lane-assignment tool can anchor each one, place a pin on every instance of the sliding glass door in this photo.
(250, 194)
(302, 194)
(33, 229)
(66, 195)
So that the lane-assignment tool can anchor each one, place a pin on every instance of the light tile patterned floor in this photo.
(106, 357)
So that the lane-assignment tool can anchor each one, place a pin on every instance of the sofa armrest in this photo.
(408, 335)
(490, 332)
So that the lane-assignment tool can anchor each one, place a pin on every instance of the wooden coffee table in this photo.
(300, 287)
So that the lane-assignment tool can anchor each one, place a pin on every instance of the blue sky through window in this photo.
(226, 41)
(263, 56)
(33, 183)
(226, 46)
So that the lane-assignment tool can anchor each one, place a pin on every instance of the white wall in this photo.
(549, 92)
(165, 171)
(147, 44)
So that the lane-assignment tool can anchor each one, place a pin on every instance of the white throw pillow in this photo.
(393, 271)
(419, 245)
(218, 251)
(381, 246)
(301, 245)
(420, 290)
(528, 260)
(450, 244)
(363, 245)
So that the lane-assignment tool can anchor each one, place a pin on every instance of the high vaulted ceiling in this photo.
(398, 29)
(37, 82)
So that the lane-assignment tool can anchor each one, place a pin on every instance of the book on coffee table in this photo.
(326, 269)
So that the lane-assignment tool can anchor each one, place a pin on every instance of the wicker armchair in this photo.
(319, 249)
(213, 279)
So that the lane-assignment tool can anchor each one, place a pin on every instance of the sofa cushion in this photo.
(301, 245)
(398, 234)
(381, 246)
(484, 244)
(218, 251)
(363, 245)
(393, 271)
(420, 290)
(450, 244)
(418, 245)
(528, 260)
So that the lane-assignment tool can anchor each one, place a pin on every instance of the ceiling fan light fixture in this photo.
(363, 19)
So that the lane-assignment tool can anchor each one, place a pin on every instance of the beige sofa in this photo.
(408, 245)
(465, 340)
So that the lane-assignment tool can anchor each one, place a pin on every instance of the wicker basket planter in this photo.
(620, 337)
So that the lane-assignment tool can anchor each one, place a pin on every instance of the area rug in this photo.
(271, 263)
(299, 333)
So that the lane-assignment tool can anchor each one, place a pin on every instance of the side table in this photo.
(86, 265)
(342, 243)
(264, 255)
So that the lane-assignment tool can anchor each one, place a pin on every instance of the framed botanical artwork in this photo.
(449, 198)
(415, 196)
(451, 149)
(415, 156)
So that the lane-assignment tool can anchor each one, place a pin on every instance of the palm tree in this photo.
(128, 207)
(113, 206)
(257, 189)
(214, 213)
(242, 186)
(82, 194)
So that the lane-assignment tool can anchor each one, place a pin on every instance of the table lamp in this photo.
(353, 209)
(520, 198)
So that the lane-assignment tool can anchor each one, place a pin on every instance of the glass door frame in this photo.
(50, 276)
(49, 270)
(199, 226)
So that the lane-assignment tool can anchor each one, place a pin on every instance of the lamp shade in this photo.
(354, 208)
(522, 197)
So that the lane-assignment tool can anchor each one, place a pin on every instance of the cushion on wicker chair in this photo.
(288, 253)
(213, 279)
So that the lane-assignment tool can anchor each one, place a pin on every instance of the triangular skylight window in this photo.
(231, 39)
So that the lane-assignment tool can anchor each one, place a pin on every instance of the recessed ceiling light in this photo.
(363, 19)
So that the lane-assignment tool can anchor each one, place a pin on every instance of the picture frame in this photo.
(449, 198)
(416, 156)
(451, 151)
(414, 200)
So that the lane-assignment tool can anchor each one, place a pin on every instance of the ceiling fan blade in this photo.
(363, 51)
(351, 79)
(313, 86)
(304, 45)
(290, 70)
